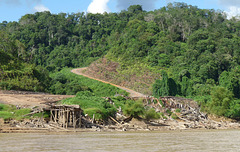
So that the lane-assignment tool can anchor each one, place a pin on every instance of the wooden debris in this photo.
(66, 115)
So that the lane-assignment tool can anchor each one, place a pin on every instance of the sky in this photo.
(13, 10)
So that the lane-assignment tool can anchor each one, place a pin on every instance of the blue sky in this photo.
(12, 10)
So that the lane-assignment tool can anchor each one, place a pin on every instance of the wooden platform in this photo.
(66, 115)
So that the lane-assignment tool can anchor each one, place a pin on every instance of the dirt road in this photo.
(80, 71)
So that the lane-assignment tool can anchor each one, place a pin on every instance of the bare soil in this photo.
(29, 99)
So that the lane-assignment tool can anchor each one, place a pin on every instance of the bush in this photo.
(174, 116)
(135, 109)
(234, 111)
(151, 114)
(94, 111)
(178, 110)
(169, 112)
(92, 105)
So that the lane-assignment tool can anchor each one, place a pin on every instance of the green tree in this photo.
(220, 101)
(230, 80)
(164, 87)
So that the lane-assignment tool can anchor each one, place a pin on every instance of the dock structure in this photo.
(66, 115)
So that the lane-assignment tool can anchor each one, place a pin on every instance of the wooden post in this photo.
(74, 120)
(56, 115)
(67, 118)
(60, 118)
(64, 121)
(51, 115)
(80, 119)
(93, 118)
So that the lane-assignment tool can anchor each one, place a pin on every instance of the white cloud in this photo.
(98, 6)
(231, 7)
(40, 8)
(233, 11)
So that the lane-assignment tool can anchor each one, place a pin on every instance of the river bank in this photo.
(188, 118)
(37, 126)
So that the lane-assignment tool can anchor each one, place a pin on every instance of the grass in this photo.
(92, 105)
(66, 82)
(10, 112)
(98, 106)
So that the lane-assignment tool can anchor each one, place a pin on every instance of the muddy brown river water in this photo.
(180, 141)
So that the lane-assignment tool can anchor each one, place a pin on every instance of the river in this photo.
(180, 141)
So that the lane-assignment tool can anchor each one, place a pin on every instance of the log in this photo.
(32, 113)
(114, 120)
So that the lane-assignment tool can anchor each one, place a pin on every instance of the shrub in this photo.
(135, 109)
(178, 110)
(151, 114)
(168, 112)
(92, 104)
(164, 117)
(174, 116)
(234, 111)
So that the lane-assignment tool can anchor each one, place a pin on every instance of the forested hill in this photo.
(197, 51)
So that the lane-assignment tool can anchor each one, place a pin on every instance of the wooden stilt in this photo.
(80, 119)
(64, 120)
(74, 120)
(51, 115)
(56, 112)
(67, 119)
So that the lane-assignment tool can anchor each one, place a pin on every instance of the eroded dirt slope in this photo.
(80, 71)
